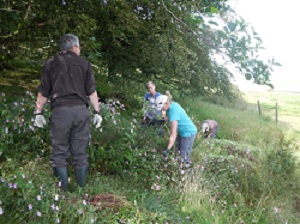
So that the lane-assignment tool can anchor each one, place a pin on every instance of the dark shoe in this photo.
(81, 175)
(62, 174)
(186, 166)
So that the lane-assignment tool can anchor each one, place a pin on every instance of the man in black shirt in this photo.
(67, 80)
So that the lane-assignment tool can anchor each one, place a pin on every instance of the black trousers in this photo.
(70, 135)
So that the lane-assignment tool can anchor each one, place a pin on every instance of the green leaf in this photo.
(213, 22)
(248, 76)
(213, 10)
(231, 26)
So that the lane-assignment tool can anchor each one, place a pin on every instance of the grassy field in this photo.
(288, 110)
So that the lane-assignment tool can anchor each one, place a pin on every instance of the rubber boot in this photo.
(81, 175)
(62, 174)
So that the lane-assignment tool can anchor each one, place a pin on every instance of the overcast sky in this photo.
(277, 23)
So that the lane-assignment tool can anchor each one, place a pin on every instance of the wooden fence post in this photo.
(259, 111)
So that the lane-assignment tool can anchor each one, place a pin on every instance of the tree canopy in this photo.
(131, 41)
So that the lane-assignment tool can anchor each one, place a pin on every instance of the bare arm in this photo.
(173, 135)
(40, 102)
(94, 101)
(211, 132)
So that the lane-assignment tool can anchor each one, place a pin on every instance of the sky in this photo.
(277, 23)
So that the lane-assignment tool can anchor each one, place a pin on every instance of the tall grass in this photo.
(247, 175)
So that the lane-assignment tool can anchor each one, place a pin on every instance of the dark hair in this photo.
(67, 41)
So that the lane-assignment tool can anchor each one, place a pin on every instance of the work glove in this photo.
(40, 120)
(165, 153)
(97, 120)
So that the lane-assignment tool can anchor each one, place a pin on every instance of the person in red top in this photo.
(209, 128)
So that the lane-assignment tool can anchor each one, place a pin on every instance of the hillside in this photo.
(249, 174)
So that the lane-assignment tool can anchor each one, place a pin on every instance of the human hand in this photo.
(40, 120)
(97, 120)
(165, 153)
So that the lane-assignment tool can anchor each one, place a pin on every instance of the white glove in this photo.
(40, 121)
(97, 120)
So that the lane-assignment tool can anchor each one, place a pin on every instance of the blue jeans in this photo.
(185, 145)
(215, 132)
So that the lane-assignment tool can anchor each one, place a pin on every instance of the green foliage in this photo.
(131, 42)
(252, 180)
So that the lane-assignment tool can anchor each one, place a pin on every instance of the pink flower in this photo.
(15, 186)
(80, 211)
(38, 213)
(10, 185)
(29, 207)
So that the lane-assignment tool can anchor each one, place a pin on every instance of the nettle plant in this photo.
(120, 147)
(20, 139)
(123, 147)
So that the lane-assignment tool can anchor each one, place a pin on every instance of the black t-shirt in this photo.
(67, 79)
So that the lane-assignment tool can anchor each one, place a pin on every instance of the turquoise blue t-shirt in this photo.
(186, 127)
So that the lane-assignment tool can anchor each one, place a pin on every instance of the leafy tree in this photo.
(130, 42)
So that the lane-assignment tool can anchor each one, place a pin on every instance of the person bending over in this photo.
(179, 122)
(209, 128)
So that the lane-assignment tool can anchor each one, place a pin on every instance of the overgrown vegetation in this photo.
(247, 176)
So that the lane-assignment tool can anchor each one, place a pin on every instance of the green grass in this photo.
(288, 110)
(248, 175)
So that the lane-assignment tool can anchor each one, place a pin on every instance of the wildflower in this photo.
(80, 211)
(56, 208)
(100, 129)
(2, 94)
(38, 213)
(23, 176)
(15, 104)
(1, 211)
(84, 202)
(57, 221)
(39, 197)
(52, 206)
(6, 130)
(10, 185)
(93, 220)
(59, 184)
(29, 207)
(15, 186)
(56, 197)
(276, 209)
(2, 180)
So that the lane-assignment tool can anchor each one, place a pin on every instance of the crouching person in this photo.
(66, 80)
(181, 123)
(209, 128)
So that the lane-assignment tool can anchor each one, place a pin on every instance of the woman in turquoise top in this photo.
(179, 122)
